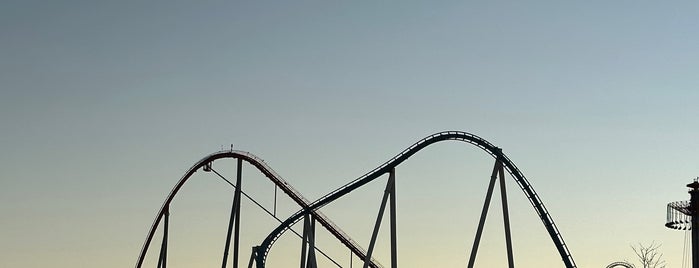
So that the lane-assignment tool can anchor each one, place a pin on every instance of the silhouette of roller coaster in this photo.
(310, 213)
(619, 264)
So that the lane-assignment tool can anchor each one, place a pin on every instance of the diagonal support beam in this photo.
(162, 261)
(484, 213)
(308, 255)
(252, 257)
(388, 192)
(506, 218)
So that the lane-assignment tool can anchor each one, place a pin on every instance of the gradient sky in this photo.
(105, 104)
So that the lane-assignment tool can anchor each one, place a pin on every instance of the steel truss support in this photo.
(389, 192)
(234, 222)
(498, 172)
(308, 253)
(162, 261)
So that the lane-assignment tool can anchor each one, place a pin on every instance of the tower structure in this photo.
(684, 215)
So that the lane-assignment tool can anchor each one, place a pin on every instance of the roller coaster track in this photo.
(271, 175)
(619, 264)
(385, 168)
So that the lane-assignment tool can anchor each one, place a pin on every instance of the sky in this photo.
(106, 104)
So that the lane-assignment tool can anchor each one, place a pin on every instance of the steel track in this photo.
(619, 264)
(272, 176)
(481, 143)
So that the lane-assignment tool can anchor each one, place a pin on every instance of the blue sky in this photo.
(106, 104)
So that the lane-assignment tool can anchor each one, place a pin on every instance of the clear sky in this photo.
(105, 104)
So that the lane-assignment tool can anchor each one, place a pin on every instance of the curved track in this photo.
(619, 264)
(269, 173)
(481, 143)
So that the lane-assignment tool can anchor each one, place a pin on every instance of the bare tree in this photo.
(649, 255)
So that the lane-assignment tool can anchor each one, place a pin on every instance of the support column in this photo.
(351, 255)
(387, 192)
(275, 201)
(306, 228)
(694, 208)
(238, 191)
(506, 218)
(252, 257)
(311, 263)
(234, 222)
(308, 255)
(394, 249)
(484, 213)
(162, 261)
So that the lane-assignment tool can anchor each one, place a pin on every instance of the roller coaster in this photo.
(620, 264)
(310, 214)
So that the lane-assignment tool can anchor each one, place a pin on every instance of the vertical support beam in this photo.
(229, 232)
(275, 200)
(694, 208)
(162, 261)
(311, 262)
(377, 225)
(484, 213)
(238, 191)
(234, 221)
(392, 193)
(506, 218)
(304, 237)
(351, 256)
